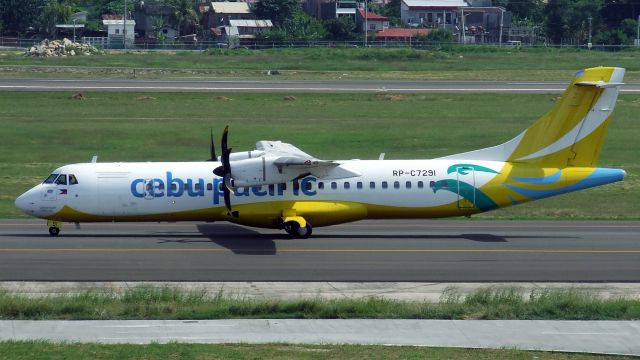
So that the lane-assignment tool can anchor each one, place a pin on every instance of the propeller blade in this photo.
(225, 134)
(213, 149)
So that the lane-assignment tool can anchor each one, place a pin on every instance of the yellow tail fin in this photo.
(569, 135)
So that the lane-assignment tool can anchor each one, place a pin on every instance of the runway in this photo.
(403, 250)
(440, 86)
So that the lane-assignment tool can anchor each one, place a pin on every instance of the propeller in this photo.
(212, 149)
(224, 171)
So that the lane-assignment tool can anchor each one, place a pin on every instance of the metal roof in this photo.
(251, 23)
(436, 3)
(230, 7)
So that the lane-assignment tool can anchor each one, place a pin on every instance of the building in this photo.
(431, 13)
(375, 22)
(154, 20)
(116, 31)
(247, 29)
(220, 13)
(469, 20)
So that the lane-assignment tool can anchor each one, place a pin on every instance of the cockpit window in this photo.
(50, 179)
(72, 179)
(61, 180)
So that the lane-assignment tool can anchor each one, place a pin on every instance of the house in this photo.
(247, 29)
(431, 13)
(401, 34)
(374, 21)
(220, 13)
(118, 29)
(470, 20)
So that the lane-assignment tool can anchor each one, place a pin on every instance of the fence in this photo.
(105, 43)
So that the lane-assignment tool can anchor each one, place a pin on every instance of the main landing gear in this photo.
(54, 227)
(294, 229)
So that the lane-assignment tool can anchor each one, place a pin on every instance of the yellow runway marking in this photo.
(193, 250)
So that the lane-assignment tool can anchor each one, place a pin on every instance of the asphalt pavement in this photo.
(426, 86)
(366, 251)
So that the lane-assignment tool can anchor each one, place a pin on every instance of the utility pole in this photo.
(124, 27)
(366, 25)
(589, 43)
(501, 24)
(464, 34)
(638, 36)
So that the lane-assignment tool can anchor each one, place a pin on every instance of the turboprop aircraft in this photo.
(279, 186)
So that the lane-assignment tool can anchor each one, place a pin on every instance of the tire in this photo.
(54, 231)
(304, 232)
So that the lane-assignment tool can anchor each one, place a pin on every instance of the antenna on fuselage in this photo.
(381, 157)
(94, 159)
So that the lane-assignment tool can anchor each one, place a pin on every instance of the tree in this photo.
(569, 19)
(52, 14)
(439, 35)
(530, 10)
(187, 19)
(341, 28)
(17, 16)
(277, 10)
(301, 27)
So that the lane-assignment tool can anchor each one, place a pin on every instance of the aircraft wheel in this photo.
(304, 232)
(54, 231)
(294, 229)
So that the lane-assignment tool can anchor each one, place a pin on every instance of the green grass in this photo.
(172, 304)
(464, 63)
(42, 130)
(48, 350)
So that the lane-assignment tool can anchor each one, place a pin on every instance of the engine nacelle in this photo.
(259, 171)
(245, 155)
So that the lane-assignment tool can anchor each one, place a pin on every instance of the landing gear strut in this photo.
(294, 229)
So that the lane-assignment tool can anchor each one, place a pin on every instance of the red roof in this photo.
(372, 16)
(111, 17)
(401, 33)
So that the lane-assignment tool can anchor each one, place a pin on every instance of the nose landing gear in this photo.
(54, 227)
(294, 229)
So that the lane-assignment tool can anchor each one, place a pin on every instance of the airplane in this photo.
(279, 186)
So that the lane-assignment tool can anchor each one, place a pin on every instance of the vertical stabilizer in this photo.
(571, 134)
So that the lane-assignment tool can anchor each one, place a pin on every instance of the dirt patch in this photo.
(389, 97)
(556, 98)
(78, 96)
(289, 98)
(223, 98)
(147, 97)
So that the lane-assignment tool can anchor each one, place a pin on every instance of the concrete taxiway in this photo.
(411, 86)
(610, 337)
(366, 251)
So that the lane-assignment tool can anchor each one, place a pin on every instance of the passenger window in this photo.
(347, 185)
(307, 185)
(196, 186)
(408, 184)
(50, 179)
(334, 185)
(359, 185)
(209, 186)
(174, 187)
(384, 185)
(372, 185)
(186, 186)
(320, 185)
(61, 180)
(283, 186)
(420, 184)
(271, 188)
(296, 186)
(161, 186)
(396, 184)
(72, 180)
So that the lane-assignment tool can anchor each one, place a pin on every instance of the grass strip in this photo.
(34, 350)
(458, 62)
(43, 130)
(165, 303)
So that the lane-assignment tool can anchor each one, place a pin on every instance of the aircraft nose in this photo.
(25, 202)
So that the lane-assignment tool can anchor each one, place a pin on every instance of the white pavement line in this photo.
(603, 337)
